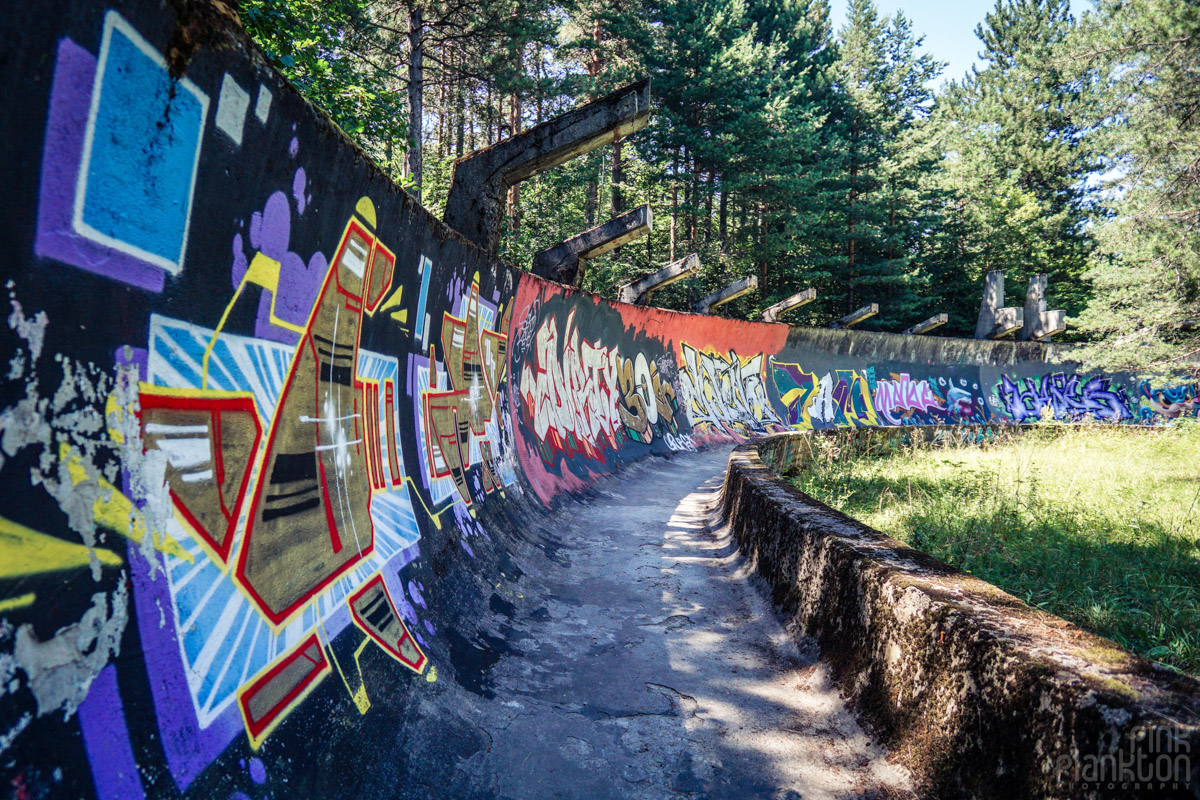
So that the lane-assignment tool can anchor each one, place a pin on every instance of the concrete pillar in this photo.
(996, 321)
(639, 291)
(563, 261)
(475, 204)
(857, 316)
(936, 321)
(731, 292)
(773, 313)
(1040, 324)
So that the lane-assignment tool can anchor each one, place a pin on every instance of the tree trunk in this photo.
(538, 91)
(618, 201)
(724, 214)
(443, 126)
(765, 261)
(415, 96)
(708, 201)
(850, 219)
(674, 213)
(460, 102)
(487, 115)
(592, 203)
(691, 201)
(514, 124)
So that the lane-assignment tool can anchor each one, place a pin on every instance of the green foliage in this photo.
(811, 158)
(1100, 525)
(1011, 187)
(1144, 59)
(324, 49)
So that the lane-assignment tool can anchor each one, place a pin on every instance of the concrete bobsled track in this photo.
(306, 495)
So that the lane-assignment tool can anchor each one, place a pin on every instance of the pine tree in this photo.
(1016, 158)
(1145, 57)
(884, 148)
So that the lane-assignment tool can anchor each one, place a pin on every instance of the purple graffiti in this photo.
(270, 234)
(1066, 396)
(106, 737)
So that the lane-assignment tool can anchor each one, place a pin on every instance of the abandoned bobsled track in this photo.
(306, 493)
(640, 661)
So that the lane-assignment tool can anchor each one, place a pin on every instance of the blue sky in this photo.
(948, 26)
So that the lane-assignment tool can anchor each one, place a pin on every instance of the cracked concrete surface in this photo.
(646, 662)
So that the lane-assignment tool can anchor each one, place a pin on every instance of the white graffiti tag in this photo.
(726, 395)
(572, 400)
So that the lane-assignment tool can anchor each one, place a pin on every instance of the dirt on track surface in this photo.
(644, 661)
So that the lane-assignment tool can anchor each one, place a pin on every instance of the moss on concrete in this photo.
(978, 693)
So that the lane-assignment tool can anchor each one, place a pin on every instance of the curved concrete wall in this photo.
(980, 694)
(268, 427)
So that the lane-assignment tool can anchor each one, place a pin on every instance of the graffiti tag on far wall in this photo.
(1066, 396)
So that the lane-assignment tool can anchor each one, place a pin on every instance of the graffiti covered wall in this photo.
(265, 423)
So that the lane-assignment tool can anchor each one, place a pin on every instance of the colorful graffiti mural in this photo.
(840, 398)
(1064, 397)
(1171, 402)
(459, 423)
(571, 392)
(725, 395)
(266, 422)
(932, 401)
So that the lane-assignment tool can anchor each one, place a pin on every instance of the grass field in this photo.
(1098, 524)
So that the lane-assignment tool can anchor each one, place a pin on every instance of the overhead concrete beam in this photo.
(773, 313)
(475, 204)
(639, 291)
(936, 321)
(995, 320)
(857, 316)
(562, 262)
(1040, 324)
(731, 292)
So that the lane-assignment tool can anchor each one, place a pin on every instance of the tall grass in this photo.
(1098, 524)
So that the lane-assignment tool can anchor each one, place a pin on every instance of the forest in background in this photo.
(809, 156)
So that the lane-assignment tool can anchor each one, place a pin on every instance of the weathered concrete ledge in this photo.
(978, 693)
(474, 205)
(564, 261)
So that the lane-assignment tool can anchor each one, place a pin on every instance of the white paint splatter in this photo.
(31, 329)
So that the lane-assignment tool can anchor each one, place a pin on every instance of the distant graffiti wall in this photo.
(264, 421)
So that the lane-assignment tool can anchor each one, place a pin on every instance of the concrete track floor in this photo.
(648, 663)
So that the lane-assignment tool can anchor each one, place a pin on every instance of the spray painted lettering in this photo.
(898, 399)
(1066, 396)
(838, 399)
(726, 395)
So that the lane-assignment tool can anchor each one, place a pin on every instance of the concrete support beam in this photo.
(475, 204)
(639, 291)
(936, 321)
(1040, 324)
(857, 316)
(1006, 321)
(996, 321)
(731, 292)
(773, 313)
(563, 261)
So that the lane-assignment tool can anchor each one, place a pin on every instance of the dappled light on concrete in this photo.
(656, 667)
